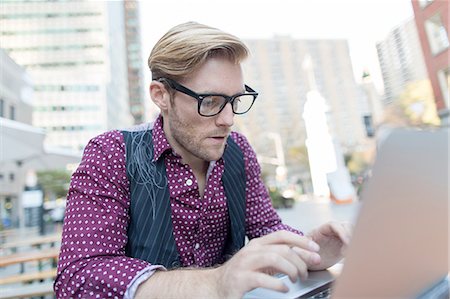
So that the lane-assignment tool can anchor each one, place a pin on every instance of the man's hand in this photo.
(254, 265)
(333, 239)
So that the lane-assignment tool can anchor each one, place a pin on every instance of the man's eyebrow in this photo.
(220, 93)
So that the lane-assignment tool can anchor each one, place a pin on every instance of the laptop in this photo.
(399, 247)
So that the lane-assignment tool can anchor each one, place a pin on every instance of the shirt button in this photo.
(188, 182)
(197, 246)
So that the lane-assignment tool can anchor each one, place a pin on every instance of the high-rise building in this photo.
(76, 55)
(134, 60)
(21, 147)
(16, 91)
(401, 60)
(15, 109)
(372, 107)
(275, 69)
(433, 27)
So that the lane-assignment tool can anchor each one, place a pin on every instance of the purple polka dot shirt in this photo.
(92, 261)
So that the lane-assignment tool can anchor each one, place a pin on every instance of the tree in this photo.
(299, 155)
(55, 183)
(357, 162)
(414, 107)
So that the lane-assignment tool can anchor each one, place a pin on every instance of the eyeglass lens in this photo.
(213, 104)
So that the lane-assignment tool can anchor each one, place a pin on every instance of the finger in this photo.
(348, 227)
(276, 262)
(342, 231)
(288, 238)
(261, 280)
(332, 229)
(301, 268)
(309, 258)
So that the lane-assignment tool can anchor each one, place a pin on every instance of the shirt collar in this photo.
(160, 143)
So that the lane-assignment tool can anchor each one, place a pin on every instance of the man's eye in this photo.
(212, 101)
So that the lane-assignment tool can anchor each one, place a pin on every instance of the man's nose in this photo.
(226, 116)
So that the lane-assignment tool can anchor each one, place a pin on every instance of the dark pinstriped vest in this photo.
(150, 235)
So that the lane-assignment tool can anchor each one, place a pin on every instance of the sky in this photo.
(361, 22)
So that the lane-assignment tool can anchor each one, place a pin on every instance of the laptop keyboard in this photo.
(321, 292)
(317, 289)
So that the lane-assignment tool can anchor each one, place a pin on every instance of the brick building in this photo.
(433, 27)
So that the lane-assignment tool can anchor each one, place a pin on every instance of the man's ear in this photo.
(160, 95)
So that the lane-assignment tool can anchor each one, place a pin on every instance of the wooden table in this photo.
(24, 257)
(27, 291)
(17, 233)
(34, 241)
(45, 287)
(26, 277)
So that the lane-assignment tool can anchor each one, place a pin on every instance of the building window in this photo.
(2, 108)
(424, 3)
(444, 82)
(12, 112)
(368, 123)
(437, 35)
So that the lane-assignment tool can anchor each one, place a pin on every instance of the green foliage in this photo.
(55, 183)
(275, 195)
(356, 163)
(415, 106)
(299, 154)
(418, 103)
(278, 200)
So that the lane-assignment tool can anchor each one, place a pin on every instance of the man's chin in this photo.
(214, 155)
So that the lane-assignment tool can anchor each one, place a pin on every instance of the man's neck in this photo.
(199, 166)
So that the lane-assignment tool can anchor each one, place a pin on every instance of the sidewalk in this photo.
(310, 213)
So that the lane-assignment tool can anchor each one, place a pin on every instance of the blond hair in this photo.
(187, 46)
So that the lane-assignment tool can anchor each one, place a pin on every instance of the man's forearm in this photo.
(184, 283)
(281, 251)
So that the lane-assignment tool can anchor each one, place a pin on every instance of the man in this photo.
(163, 210)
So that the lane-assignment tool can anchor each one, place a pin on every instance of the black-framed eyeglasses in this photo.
(212, 104)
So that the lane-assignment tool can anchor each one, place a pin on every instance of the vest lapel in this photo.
(234, 184)
(150, 233)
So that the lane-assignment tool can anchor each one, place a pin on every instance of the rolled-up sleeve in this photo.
(92, 261)
(261, 217)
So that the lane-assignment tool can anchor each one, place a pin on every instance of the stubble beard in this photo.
(181, 133)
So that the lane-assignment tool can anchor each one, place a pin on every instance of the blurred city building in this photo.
(15, 110)
(75, 53)
(134, 61)
(275, 70)
(371, 105)
(16, 94)
(433, 27)
(22, 149)
(401, 60)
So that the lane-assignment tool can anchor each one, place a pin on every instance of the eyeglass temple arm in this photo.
(249, 89)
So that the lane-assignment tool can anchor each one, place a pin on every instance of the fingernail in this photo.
(315, 258)
(313, 246)
(304, 275)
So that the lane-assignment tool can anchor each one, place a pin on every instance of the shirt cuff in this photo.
(140, 277)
